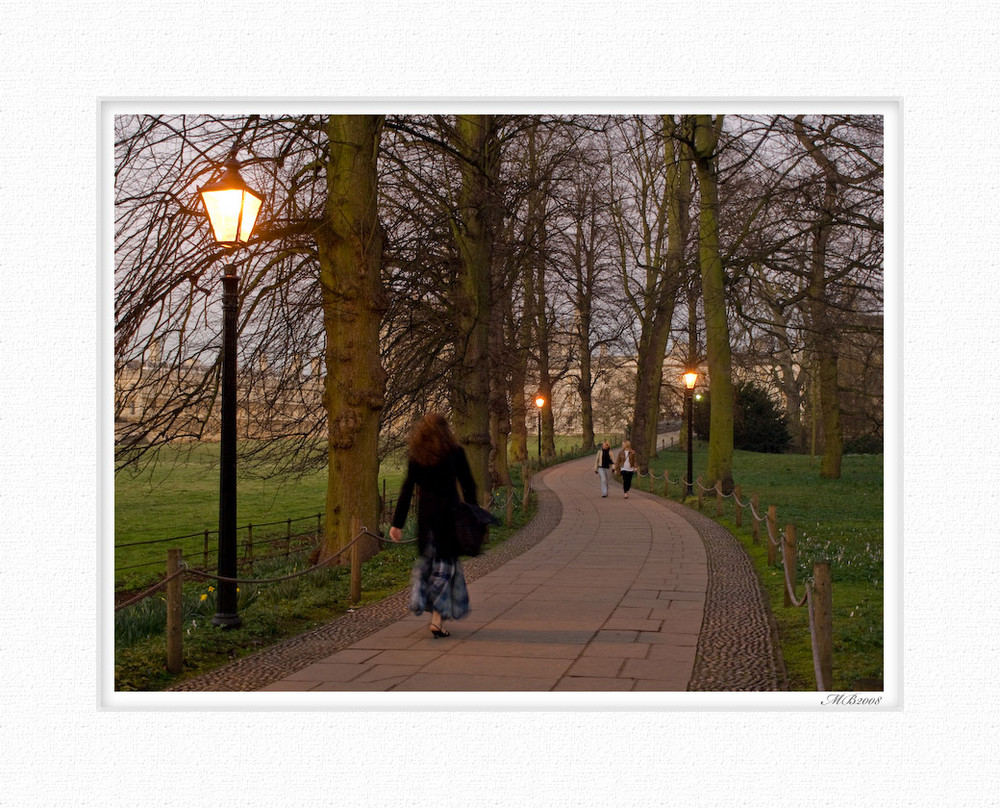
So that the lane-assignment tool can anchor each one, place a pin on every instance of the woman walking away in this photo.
(436, 462)
(626, 464)
(604, 466)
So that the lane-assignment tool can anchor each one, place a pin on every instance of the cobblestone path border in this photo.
(291, 655)
(738, 648)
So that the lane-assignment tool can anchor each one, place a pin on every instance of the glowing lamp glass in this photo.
(540, 402)
(232, 207)
(690, 379)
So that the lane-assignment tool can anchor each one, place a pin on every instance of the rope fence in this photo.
(817, 594)
(177, 566)
(259, 542)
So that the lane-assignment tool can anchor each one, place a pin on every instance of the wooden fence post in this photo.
(772, 528)
(355, 560)
(666, 482)
(698, 486)
(510, 506)
(756, 522)
(205, 553)
(737, 493)
(718, 497)
(175, 614)
(790, 553)
(823, 613)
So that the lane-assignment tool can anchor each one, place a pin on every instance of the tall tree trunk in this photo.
(824, 332)
(473, 228)
(542, 337)
(584, 269)
(664, 276)
(825, 346)
(350, 259)
(717, 345)
(791, 385)
(548, 418)
(586, 381)
(519, 337)
(500, 362)
(645, 414)
(678, 203)
(586, 388)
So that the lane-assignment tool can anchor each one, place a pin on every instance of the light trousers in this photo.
(605, 475)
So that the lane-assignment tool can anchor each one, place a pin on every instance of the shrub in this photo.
(758, 425)
(863, 444)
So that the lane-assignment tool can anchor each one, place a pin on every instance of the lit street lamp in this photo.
(232, 209)
(690, 380)
(539, 403)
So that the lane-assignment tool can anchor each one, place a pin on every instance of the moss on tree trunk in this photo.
(473, 228)
(717, 345)
(350, 258)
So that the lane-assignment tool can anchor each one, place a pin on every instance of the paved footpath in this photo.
(611, 594)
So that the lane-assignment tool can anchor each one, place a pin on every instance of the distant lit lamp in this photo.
(232, 208)
(539, 403)
(690, 380)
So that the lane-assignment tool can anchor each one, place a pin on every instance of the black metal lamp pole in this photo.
(226, 601)
(232, 208)
(539, 403)
(690, 380)
(689, 395)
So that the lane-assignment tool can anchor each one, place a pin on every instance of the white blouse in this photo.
(627, 462)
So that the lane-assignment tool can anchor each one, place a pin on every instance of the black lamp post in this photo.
(690, 380)
(539, 403)
(232, 209)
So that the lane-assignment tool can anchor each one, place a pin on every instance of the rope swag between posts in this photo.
(818, 596)
(177, 568)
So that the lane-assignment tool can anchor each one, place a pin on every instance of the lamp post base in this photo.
(226, 621)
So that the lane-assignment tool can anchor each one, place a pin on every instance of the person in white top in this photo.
(626, 464)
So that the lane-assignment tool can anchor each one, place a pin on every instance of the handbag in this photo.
(472, 524)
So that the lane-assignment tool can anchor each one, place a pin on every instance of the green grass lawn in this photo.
(178, 495)
(270, 612)
(839, 521)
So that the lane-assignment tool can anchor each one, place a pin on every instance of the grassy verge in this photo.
(839, 521)
(270, 613)
(178, 495)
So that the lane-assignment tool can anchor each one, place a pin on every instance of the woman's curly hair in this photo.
(431, 440)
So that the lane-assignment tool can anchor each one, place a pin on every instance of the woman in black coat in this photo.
(437, 466)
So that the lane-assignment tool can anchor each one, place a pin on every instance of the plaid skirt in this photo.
(438, 584)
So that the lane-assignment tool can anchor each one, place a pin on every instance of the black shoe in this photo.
(439, 632)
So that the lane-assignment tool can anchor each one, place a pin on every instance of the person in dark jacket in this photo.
(436, 466)
(604, 465)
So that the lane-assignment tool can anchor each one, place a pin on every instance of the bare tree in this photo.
(310, 298)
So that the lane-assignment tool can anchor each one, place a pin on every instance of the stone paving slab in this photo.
(590, 607)
(597, 595)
